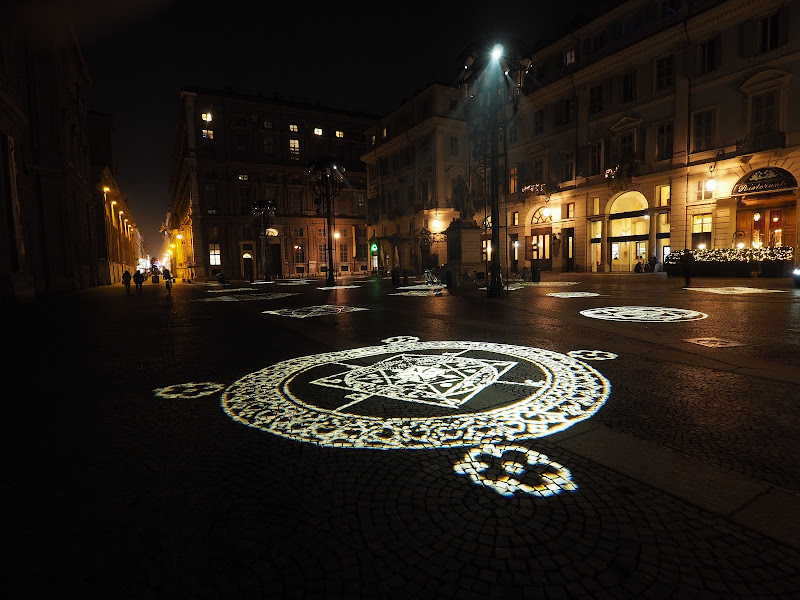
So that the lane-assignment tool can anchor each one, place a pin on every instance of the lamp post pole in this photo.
(327, 185)
(495, 282)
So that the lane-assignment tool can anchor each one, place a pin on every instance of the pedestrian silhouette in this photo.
(687, 262)
(138, 279)
(126, 279)
(167, 280)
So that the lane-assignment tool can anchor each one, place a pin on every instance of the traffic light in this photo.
(374, 247)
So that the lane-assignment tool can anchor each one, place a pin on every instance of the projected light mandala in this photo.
(643, 314)
(734, 290)
(434, 292)
(338, 287)
(245, 298)
(572, 294)
(508, 468)
(229, 290)
(408, 394)
(413, 394)
(295, 282)
(313, 311)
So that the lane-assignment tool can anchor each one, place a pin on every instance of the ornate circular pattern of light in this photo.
(572, 294)
(188, 390)
(440, 375)
(555, 479)
(643, 314)
(592, 355)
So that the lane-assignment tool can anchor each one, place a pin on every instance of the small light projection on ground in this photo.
(643, 314)
(572, 294)
(711, 342)
(230, 290)
(188, 390)
(417, 293)
(313, 311)
(294, 282)
(734, 290)
(505, 469)
(592, 355)
(245, 297)
(338, 287)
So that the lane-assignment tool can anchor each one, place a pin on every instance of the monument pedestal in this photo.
(464, 255)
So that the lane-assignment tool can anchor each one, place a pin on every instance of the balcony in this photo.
(759, 143)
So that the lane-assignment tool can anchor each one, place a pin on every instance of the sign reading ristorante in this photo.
(765, 180)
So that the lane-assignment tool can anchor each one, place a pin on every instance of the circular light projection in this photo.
(413, 394)
(572, 294)
(643, 314)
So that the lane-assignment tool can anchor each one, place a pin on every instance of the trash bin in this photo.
(155, 279)
(536, 274)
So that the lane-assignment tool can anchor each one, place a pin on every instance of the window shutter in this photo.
(528, 247)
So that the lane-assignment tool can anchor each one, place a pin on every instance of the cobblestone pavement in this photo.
(452, 446)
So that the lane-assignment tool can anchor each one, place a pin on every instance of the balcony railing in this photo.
(748, 145)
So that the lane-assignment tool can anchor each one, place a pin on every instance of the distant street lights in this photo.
(327, 184)
(491, 84)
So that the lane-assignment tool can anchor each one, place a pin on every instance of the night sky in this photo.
(141, 53)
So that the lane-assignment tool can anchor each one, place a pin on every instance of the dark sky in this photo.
(367, 58)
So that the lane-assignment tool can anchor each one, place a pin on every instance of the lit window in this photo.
(571, 210)
(208, 134)
(213, 255)
(206, 117)
(512, 180)
(569, 57)
(294, 149)
(515, 218)
(339, 133)
(267, 125)
(317, 130)
(243, 177)
(293, 128)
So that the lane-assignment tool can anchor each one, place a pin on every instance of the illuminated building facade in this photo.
(658, 126)
(241, 195)
(120, 245)
(417, 154)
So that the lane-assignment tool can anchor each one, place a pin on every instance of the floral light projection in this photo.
(409, 394)
(734, 290)
(313, 311)
(551, 477)
(188, 390)
(643, 314)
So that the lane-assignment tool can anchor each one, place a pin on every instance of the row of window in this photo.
(241, 122)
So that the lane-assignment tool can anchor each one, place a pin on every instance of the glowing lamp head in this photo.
(711, 185)
(740, 245)
(436, 223)
(497, 52)
(757, 217)
(546, 211)
(701, 247)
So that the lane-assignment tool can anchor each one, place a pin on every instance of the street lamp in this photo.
(265, 211)
(492, 82)
(327, 184)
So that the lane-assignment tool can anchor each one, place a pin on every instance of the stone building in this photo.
(46, 207)
(242, 199)
(655, 127)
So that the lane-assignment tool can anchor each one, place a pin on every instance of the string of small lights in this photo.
(723, 255)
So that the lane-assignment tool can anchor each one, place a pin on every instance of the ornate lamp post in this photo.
(264, 210)
(492, 83)
(327, 184)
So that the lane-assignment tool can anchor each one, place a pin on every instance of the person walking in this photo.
(126, 279)
(167, 279)
(687, 262)
(138, 279)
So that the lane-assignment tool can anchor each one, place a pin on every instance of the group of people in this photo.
(138, 279)
(645, 267)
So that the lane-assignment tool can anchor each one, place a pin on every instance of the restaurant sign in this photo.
(767, 179)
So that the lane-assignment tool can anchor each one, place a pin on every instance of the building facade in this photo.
(658, 126)
(242, 197)
(46, 203)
